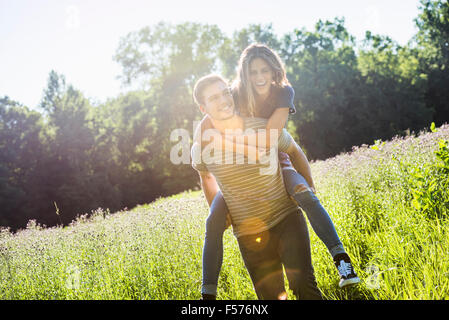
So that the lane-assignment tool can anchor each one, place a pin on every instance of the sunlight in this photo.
(282, 296)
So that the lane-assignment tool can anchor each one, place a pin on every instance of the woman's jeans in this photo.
(216, 223)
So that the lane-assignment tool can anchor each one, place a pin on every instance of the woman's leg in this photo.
(213, 245)
(319, 219)
(321, 223)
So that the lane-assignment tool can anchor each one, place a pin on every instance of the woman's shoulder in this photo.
(286, 90)
(284, 98)
(283, 95)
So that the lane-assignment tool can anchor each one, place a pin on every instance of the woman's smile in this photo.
(261, 77)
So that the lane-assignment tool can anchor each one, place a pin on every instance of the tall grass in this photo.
(389, 202)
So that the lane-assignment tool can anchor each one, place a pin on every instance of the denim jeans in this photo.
(318, 217)
(216, 223)
(286, 244)
(213, 244)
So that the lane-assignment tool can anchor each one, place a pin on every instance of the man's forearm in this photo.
(210, 188)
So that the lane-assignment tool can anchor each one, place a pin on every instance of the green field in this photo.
(389, 202)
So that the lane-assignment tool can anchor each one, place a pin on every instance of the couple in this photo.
(270, 229)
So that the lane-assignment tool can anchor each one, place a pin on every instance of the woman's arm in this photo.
(298, 158)
(223, 142)
(275, 125)
(284, 106)
(276, 122)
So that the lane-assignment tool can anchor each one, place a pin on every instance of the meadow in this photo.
(389, 202)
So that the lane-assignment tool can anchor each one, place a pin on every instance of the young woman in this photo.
(261, 89)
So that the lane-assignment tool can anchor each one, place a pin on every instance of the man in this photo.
(270, 231)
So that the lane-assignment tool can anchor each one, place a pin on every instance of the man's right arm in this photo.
(209, 185)
(208, 182)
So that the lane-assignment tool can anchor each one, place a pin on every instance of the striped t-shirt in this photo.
(257, 201)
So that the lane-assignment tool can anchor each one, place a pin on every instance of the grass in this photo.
(391, 217)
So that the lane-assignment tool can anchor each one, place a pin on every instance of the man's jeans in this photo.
(286, 244)
(216, 223)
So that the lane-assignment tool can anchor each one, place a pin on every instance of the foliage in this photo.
(154, 250)
(430, 184)
(78, 156)
(432, 40)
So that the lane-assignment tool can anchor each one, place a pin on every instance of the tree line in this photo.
(72, 156)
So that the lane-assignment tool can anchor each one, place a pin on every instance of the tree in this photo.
(394, 92)
(166, 60)
(322, 67)
(130, 125)
(433, 43)
(21, 148)
(73, 182)
(231, 49)
(345, 99)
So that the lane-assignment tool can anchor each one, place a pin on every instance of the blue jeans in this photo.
(216, 223)
(318, 217)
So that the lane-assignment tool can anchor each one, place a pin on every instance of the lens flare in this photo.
(282, 296)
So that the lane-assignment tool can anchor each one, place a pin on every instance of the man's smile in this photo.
(225, 108)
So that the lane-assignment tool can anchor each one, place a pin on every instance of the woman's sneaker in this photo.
(345, 270)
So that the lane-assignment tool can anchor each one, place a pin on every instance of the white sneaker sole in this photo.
(349, 282)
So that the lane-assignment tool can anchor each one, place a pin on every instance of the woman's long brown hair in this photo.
(242, 83)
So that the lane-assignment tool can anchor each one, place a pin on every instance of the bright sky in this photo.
(79, 37)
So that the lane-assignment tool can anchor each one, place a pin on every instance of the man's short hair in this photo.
(202, 83)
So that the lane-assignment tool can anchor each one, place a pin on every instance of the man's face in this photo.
(218, 101)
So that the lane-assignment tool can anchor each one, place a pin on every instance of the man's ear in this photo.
(203, 111)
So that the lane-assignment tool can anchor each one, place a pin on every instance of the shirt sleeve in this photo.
(285, 140)
(197, 163)
(285, 99)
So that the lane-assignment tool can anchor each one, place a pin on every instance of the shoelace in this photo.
(344, 268)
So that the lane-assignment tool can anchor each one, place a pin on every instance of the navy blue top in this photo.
(280, 97)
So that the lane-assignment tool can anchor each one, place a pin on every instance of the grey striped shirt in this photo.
(256, 201)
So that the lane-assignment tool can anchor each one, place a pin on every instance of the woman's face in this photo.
(260, 76)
